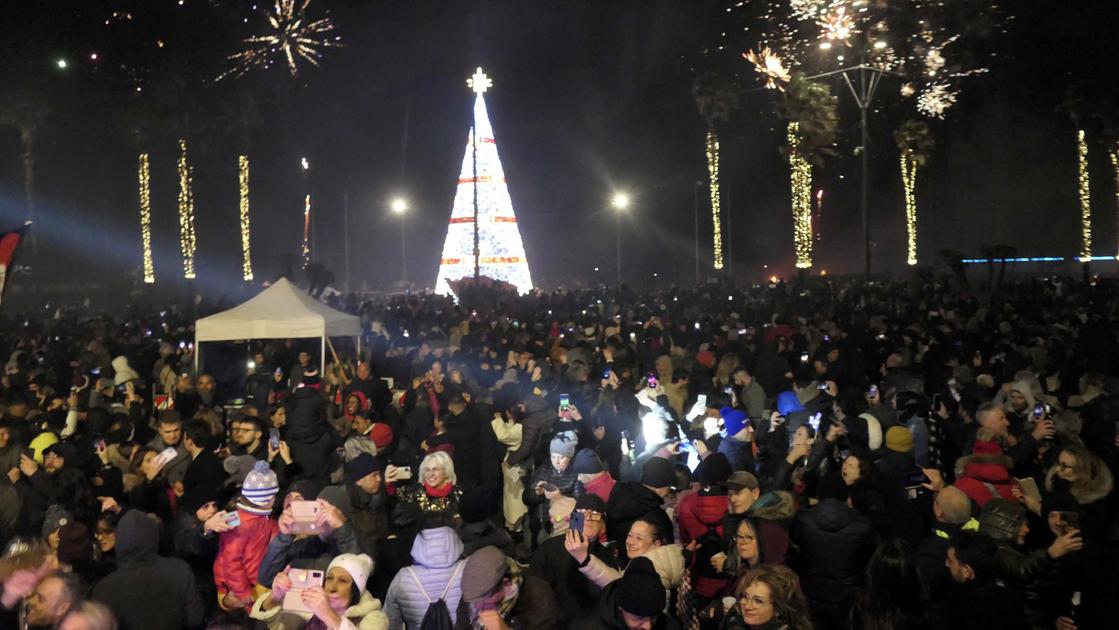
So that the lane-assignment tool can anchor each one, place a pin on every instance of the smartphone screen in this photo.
(651, 380)
(577, 520)
(565, 401)
(274, 438)
(1039, 411)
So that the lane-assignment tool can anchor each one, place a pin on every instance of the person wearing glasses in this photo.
(768, 597)
(575, 593)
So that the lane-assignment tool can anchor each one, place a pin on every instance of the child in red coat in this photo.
(241, 549)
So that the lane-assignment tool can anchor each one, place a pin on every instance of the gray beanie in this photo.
(563, 444)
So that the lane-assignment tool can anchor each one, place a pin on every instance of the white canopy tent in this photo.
(282, 311)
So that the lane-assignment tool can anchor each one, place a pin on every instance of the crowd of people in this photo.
(785, 456)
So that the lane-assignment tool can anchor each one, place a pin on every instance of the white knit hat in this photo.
(359, 566)
(873, 430)
(260, 485)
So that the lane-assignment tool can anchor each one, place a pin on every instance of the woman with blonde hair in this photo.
(435, 489)
(724, 373)
(769, 597)
(1079, 482)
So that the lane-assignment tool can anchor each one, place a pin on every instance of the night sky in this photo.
(589, 97)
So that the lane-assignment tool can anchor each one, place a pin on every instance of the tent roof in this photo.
(281, 311)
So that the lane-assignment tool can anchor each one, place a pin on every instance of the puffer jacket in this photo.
(566, 481)
(835, 543)
(438, 567)
(366, 614)
(975, 473)
(240, 553)
(700, 511)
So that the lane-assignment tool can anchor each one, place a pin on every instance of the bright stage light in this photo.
(399, 206)
(620, 201)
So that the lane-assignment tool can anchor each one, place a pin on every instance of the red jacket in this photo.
(601, 486)
(240, 552)
(978, 475)
(697, 513)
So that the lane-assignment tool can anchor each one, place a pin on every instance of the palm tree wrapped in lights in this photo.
(915, 142)
(715, 99)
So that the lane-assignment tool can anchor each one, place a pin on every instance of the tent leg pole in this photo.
(322, 359)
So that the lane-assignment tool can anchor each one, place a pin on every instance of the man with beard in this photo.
(247, 434)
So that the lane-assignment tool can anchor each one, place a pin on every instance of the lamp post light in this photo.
(620, 202)
(400, 207)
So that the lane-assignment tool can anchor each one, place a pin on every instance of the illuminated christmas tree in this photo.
(482, 189)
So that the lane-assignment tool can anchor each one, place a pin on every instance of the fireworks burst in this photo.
(293, 37)
(837, 24)
(769, 64)
(936, 99)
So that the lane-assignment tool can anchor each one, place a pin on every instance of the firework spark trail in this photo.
(294, 37)
(769, 64)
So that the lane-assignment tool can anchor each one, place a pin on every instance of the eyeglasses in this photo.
(591, 515)
(746, 538)
(103, 532)
(756, 601)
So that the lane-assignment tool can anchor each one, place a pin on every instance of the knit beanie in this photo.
(563, 444)
(359, 566)
(74, 542)
(56, 517)
(586, 462)
(733, 420)
(899, 439)
(381, 435)
(639, 591)
(658, 472)
(260, 485)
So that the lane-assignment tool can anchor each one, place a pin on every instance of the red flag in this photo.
(9, 243)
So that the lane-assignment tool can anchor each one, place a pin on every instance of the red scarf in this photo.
(440, 492)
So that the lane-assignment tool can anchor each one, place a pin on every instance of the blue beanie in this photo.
(733, 420)
(787, 403)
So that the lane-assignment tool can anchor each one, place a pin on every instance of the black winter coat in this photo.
(575, 594)
(148, 592)
(835, 543)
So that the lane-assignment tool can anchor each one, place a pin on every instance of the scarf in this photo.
(508, 601)
(439, 493)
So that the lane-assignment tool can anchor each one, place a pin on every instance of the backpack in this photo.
(437, 617)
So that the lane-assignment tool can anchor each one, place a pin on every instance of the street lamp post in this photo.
(620, 202)
(399, 207)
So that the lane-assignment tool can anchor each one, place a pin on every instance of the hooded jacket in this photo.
(148, 592)
(835, 544)
(977, 475)
(366, 614)
(438, 567)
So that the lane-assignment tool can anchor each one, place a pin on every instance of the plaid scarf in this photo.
(508, 601)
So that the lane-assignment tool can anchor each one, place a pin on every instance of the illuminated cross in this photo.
(479, 82)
